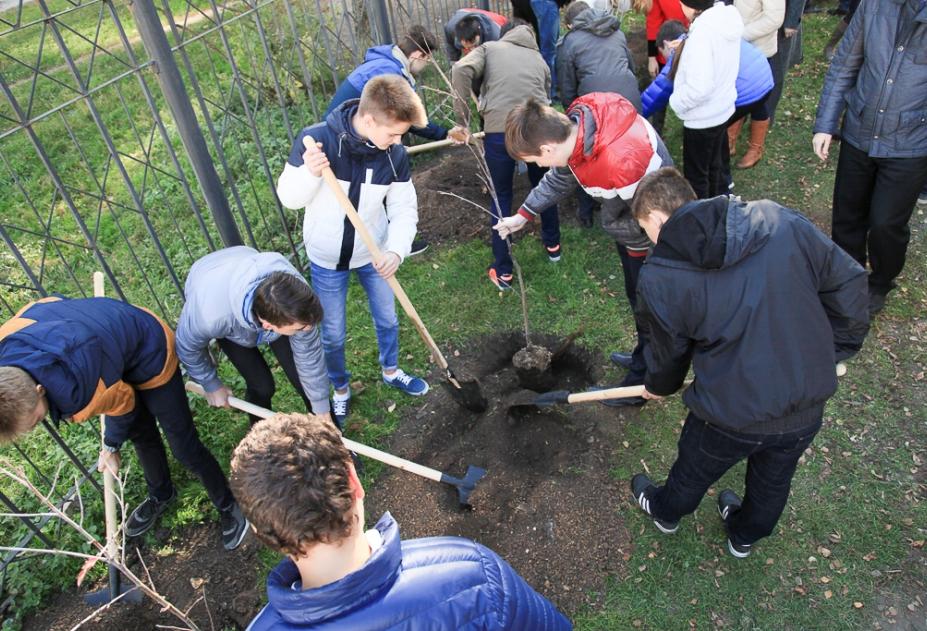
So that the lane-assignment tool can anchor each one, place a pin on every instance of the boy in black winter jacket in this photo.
(762, 305)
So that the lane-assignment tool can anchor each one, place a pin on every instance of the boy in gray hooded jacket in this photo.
(243, 298)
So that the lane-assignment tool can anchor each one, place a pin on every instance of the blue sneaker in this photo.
(413, 386)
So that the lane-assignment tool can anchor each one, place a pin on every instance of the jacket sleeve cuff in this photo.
(652, 48)
(212, 384)
(526, 213)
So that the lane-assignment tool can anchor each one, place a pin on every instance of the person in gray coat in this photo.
(878, 82)
(593, 56)
(243, 298)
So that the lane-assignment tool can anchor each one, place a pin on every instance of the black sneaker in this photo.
(876, 302)
(553, 253)
(340, 410)
(234, 526)
(146, 514)
(642, 488)
(728, 503)
(418, 246)
(621, 359)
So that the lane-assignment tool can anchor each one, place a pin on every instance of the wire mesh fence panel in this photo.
(101, 169)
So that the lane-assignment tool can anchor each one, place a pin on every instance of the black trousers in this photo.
(873, 202)
(168, 404)
(702, 152)
(259, 381)
(706, 452)
(631, 268)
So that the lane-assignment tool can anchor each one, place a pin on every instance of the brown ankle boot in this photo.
(732, 133)
(757, 142)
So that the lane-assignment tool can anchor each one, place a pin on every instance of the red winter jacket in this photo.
(615, 148)
(662, 11)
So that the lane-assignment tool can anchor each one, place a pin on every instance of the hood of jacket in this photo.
(722, 19)
(247, 275)
(339, 120)
(714, 233)
(599, 23)
(521, 36)
(390, 55)
(315, 606)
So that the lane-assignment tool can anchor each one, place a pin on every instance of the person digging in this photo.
(762, 305)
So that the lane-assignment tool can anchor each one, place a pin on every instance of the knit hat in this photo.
(699, 5)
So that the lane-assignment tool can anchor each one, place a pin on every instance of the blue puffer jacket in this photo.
(879, 77)
(380, 60)
(440, 583)
(754, 81)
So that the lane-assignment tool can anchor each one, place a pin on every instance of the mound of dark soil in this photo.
(547, 503)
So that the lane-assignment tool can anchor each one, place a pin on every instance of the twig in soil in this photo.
(96, 612)
(212, 625)
(646, 468)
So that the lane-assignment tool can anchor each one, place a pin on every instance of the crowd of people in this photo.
(749, 295)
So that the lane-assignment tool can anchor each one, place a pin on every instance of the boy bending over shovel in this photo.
(762, 305)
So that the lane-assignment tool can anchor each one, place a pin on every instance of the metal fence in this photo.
(136, 136)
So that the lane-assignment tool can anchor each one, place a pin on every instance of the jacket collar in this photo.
(315, 606)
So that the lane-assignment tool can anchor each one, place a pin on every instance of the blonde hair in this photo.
(642, 6)
(390, 98)
(18, 397)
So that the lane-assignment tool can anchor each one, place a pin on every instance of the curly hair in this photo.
(290, 477)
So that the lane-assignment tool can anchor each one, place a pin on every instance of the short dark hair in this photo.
(284, 298)
(669, 31)
(290, 476)
(665, 190)
(573, 10)
(468, 29)
(418, 38)
(18, 397)
(508, 26)
(533, 124)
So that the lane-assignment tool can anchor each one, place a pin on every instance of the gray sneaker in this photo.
(234, 526)
(146, 514)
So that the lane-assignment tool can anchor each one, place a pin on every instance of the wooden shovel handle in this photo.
(109, 481)
(329, 176)
(437, 144)
(608, 393)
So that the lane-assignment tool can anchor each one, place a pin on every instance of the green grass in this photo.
(850, 533)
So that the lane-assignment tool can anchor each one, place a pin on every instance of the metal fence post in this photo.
(175, 94)
(378, 14)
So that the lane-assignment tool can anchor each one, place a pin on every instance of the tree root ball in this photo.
(532, 365)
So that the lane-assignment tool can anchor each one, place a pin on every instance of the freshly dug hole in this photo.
(532, 365)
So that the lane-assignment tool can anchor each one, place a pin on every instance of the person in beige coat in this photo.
(762, 20)
(506, 72)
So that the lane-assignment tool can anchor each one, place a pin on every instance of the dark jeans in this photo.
(631, 268)
(702, 153)
(168, 404)
(873, 201)
(502, 170)
(259, 381)
(706, 452)
(585, 204)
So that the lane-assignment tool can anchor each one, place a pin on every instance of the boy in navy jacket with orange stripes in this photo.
(74, 359)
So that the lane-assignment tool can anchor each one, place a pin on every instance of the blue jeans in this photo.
(548, 15)
(502, 171)
(331, 286)
(707, 451)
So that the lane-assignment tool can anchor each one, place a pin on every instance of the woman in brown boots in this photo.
(762, 19)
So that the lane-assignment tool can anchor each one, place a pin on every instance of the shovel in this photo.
(463, 485)
(528, 399)
(116, 589)
(437, 144)
(466, 392)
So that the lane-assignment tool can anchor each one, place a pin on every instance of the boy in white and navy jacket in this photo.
(360, 141)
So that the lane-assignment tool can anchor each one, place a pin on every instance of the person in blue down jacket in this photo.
(407, 59)
(754, 84)
(243, 298)
(295, 480)
(878, 82)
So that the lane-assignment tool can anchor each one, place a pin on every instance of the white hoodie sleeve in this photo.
(296, 186)
(401, 209)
